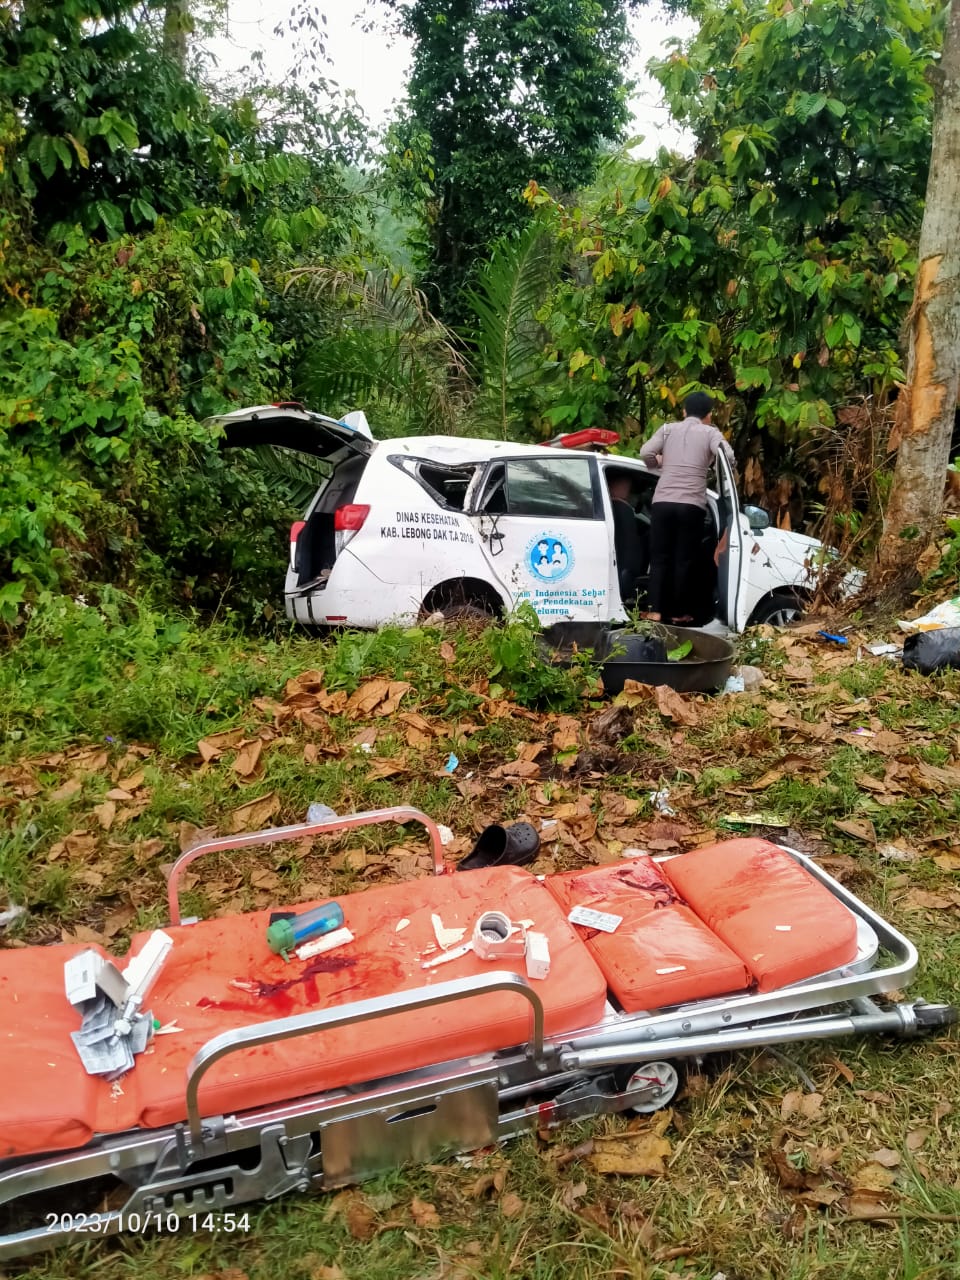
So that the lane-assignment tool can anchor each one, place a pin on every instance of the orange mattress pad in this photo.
(783, 923)
(50, 1103)
(662, 953)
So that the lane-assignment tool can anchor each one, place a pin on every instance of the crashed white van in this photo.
(403, 528)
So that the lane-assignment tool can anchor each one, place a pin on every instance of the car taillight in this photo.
(296, 529)
(347, 521)
(350, 517)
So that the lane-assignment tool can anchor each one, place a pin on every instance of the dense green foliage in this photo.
(147, 228)
(776, 264)
(502, 91)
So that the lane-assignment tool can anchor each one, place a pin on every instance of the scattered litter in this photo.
(932, 651)
(114, 1027)
(170, 1029)
(734, 684)
(761, 819)
(328, 942)
(451, 764)
(605, 921)
(673, 968)
(783, 928)
(634, 853)
(446, 835)
(446, 937)
(944, 615)
(446, 956)
(537, 953)
(321, 813)
(401, 924)
(287, 931)
(828, 635)
(548, 827)
(864, 733)
(893, 853)
(366, 748)
(883, 650)
(659, 801)
(12, 913)
(493, 937)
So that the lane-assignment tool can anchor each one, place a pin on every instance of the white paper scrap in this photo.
(446, 937)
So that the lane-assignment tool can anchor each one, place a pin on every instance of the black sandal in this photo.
(497, 846)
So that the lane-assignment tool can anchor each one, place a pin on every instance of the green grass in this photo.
(101, 680)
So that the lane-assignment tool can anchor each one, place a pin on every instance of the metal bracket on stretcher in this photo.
(287, 1076)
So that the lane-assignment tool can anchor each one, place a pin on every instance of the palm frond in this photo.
(377, 342)
(298, 476)
(510, 289)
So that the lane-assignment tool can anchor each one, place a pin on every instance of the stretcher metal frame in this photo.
(214, 1163)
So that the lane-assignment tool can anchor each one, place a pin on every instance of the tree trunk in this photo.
(176, 24)
(925, 417)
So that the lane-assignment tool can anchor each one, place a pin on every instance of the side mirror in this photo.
(759, 520)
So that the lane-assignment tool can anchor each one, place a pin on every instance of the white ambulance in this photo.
(401, 529)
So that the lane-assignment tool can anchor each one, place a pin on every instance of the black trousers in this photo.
(676, 535)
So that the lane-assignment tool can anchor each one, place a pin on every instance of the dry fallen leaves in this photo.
(641, 1154)
(213, 747)
(675, 706)
(247, 761)
(424, 1214)
(806, 1105)
(511, 1206)
(254, 814)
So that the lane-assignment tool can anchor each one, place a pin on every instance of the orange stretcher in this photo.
(282, 1076)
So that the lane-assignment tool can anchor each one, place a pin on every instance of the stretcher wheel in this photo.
(934, 1017)
(655, 1083)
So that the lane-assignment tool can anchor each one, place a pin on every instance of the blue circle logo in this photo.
(550, 558)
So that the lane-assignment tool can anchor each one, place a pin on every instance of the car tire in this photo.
(781, 609)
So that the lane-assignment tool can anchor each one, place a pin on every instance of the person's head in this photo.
(698, 405)
(618, 482)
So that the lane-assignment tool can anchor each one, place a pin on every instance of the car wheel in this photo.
(779, 610)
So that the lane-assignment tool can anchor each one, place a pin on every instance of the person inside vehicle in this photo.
(629, 544)
(683, 452)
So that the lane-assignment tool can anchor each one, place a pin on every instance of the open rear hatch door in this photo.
(290, 426)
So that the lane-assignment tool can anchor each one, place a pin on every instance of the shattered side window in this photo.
(446, 485)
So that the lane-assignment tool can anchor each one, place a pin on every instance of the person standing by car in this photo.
(683, 452)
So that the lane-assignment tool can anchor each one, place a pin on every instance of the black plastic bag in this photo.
(625, 647)
(930, 651)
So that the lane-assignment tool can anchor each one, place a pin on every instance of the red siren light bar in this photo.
(589, 436)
